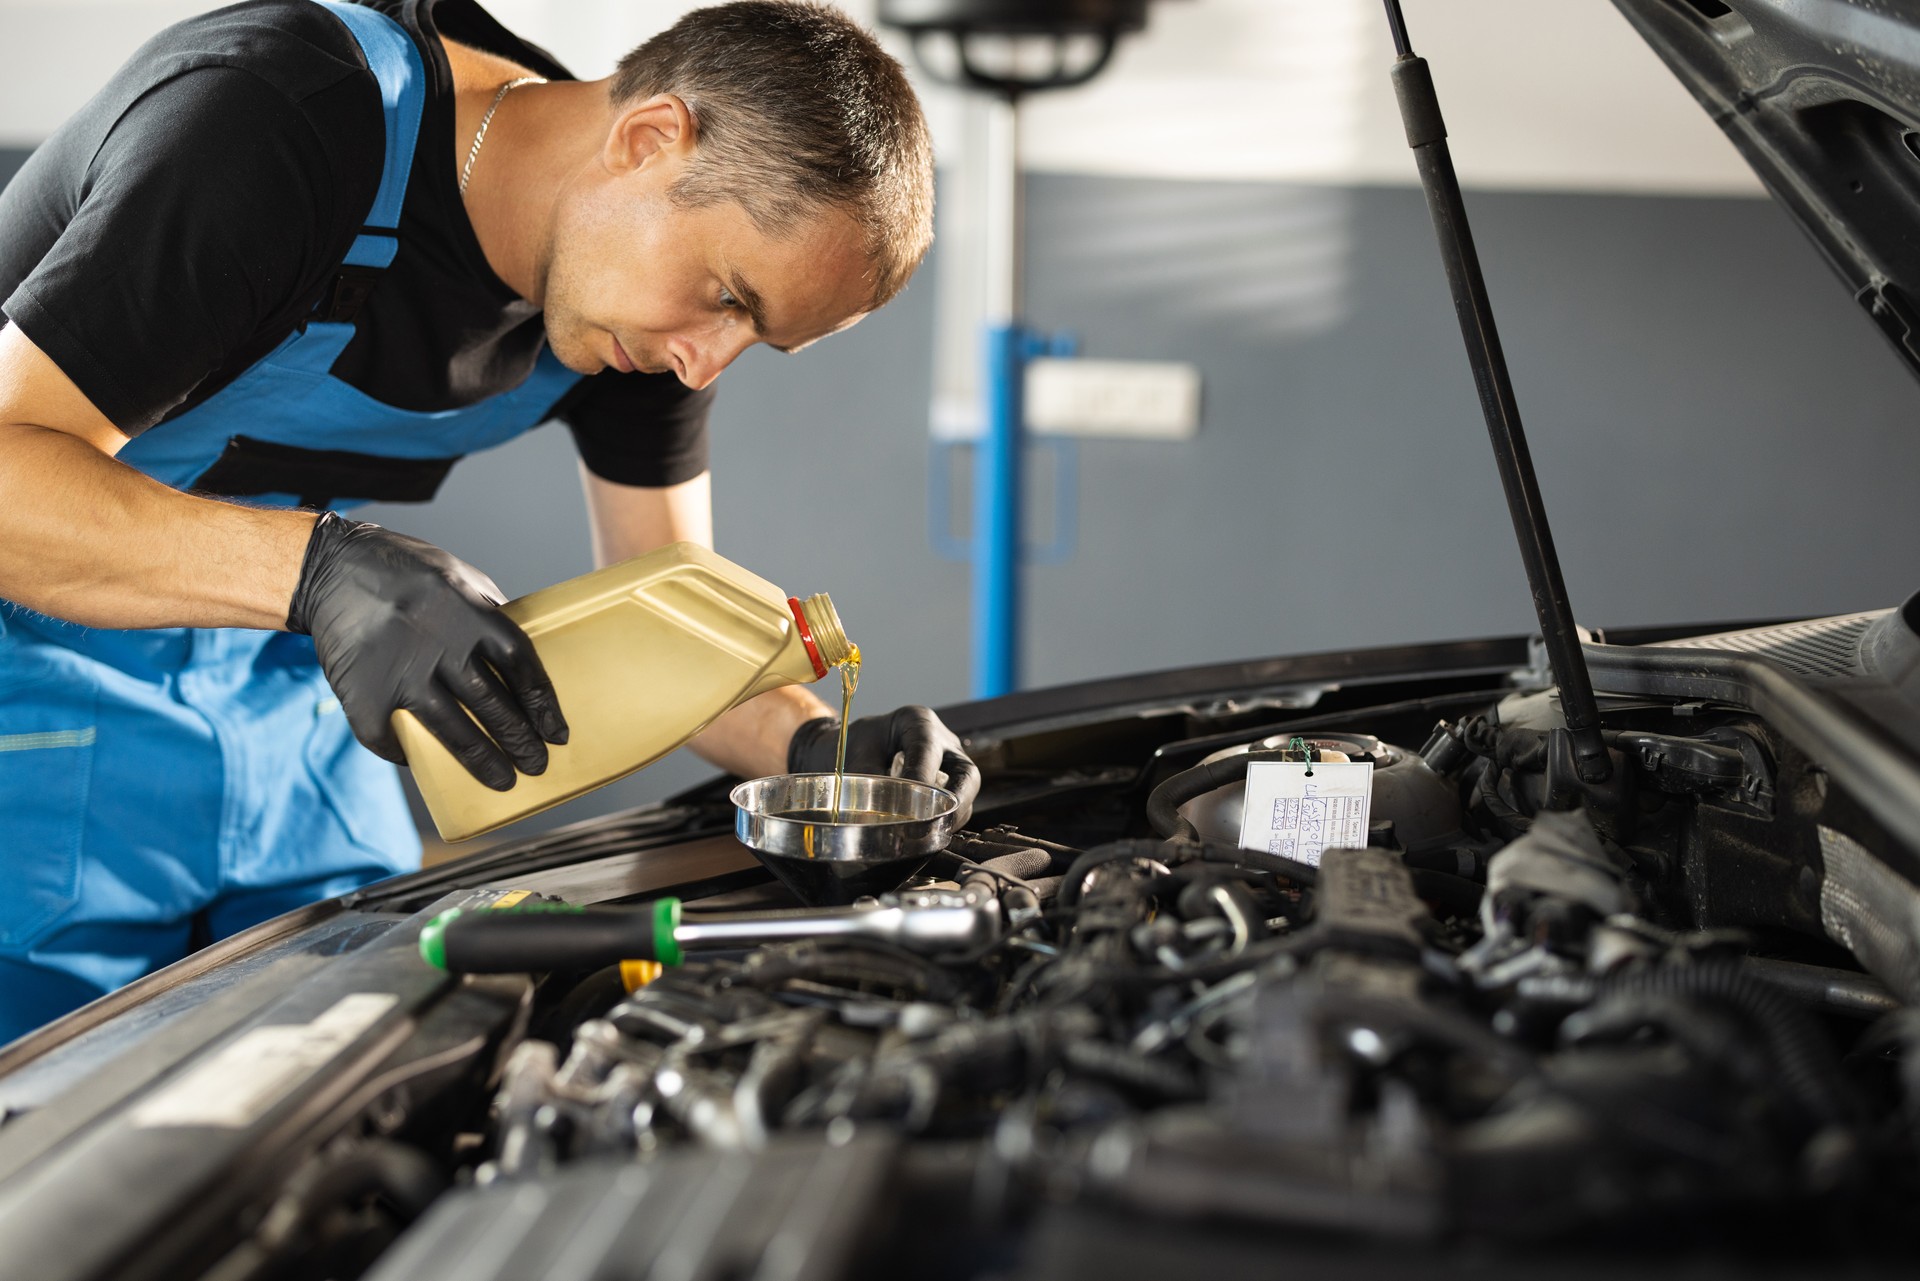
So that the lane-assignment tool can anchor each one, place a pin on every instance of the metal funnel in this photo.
(886, 831)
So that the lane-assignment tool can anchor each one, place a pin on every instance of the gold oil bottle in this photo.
(643, 655)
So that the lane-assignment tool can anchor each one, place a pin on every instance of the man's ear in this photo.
(648, 131)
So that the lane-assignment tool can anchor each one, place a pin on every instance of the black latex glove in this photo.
(910, 742)
(400, 623)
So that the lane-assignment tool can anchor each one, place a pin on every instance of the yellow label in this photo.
(511, 898)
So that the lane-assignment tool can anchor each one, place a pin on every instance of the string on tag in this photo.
(1298, 744)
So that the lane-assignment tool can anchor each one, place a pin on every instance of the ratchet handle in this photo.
(550, 936)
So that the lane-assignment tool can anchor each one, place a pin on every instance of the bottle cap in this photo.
(806, 637)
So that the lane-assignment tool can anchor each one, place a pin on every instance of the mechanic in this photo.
(299, 254)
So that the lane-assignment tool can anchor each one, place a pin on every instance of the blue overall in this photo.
(151, 777)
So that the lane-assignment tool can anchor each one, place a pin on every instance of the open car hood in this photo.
(1822, 97)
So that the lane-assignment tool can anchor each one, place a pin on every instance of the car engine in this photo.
(1528, 1013)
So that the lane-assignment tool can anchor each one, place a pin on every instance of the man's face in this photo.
(636, 281)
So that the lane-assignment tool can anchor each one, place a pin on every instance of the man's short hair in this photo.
(797, 109)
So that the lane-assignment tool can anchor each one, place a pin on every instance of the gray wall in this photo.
(1719, 434)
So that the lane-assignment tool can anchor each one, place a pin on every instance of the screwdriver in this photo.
(561, 936)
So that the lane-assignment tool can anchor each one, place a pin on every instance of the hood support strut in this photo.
(1427, 135)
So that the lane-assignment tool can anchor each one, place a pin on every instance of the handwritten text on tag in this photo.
(1298, 815)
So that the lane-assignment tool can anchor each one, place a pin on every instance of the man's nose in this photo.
(708, 354)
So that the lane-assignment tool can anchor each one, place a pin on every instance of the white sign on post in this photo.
(1298, 810)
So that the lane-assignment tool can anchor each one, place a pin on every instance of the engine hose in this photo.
(590, 998)
(1844, 992)
(1252, 860)
(1039, 858)
(851, 960)
(403, 1176)
(1114, 1063)
(1798, 1046)
(773, 1076)
(1164, 802)
(1455, 860)
(1019, 904)
(1018, 865)
(1013, 864)
(1099, 856)
(1008, 838)
(1510, 820)
(1046, 887)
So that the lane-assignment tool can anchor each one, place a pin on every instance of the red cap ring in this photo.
(806, 638)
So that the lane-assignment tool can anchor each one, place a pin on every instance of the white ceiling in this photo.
(1539, 94)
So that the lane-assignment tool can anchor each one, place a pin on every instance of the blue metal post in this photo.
(996, 516)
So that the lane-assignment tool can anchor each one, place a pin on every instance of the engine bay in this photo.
(1528, 1014)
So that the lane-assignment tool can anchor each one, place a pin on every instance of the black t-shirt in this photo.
(192, 214)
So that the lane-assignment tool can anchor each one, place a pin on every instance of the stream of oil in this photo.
(849, 682)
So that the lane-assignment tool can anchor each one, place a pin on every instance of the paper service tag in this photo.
(1298, 815)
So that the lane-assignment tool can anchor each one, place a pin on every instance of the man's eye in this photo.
(727, 299)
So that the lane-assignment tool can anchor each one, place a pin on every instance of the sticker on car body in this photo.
(245, 1078)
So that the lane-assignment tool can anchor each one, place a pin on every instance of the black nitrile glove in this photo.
(910, 742)
(400, 623)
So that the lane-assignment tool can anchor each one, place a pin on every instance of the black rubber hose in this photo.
(1796, 1043)
(1028, 850)
(1020, 864)
(1016, 865)
(1163, 804)
(1009, 838)
(1100, 856)
(774, 1074)
(851, 961)
(1116, 1063)
(1455, 860)
(400, 1175)
(1046, 887)
(1018, 899)
(1252, 860)
(1843, 992)
(590, 998)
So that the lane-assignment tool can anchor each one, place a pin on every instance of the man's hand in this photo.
(399, 623)
(910, 742)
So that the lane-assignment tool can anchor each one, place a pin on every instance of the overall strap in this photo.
(395, 62)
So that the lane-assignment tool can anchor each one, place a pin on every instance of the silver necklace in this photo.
(480, 135)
